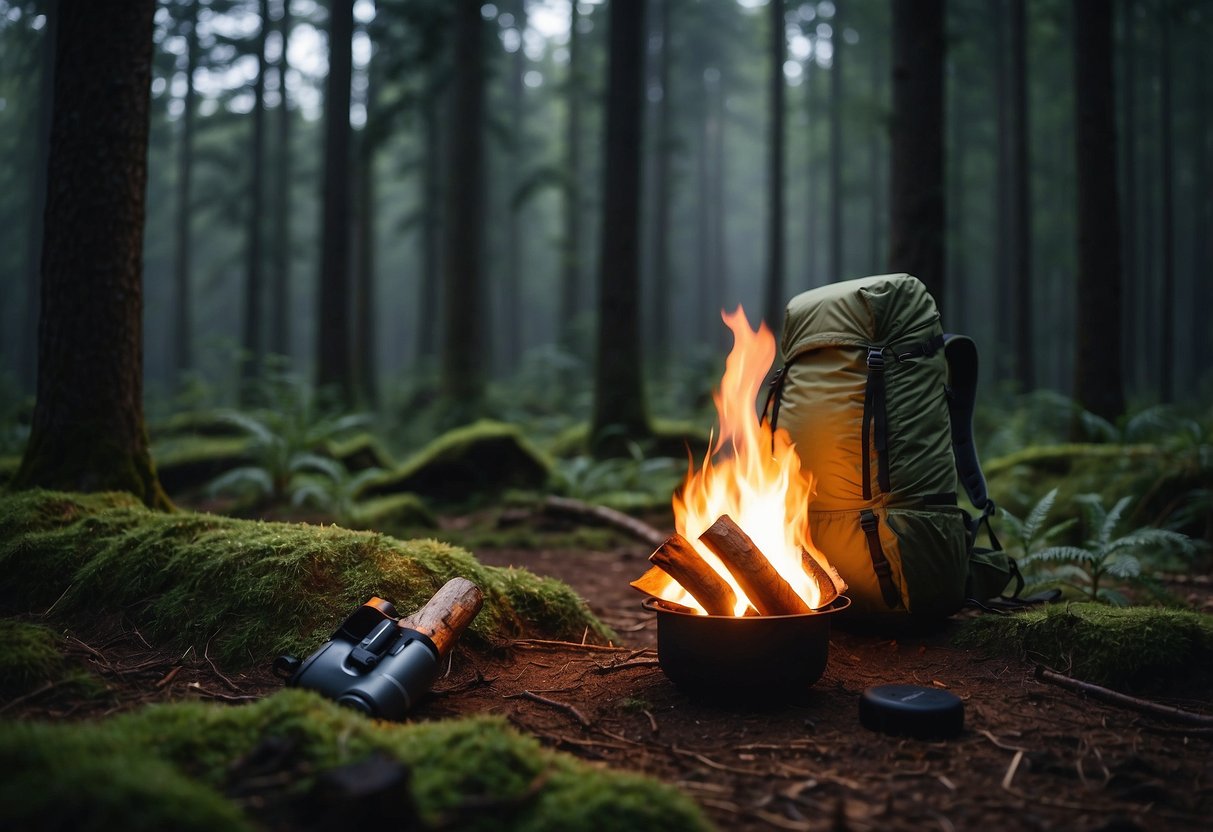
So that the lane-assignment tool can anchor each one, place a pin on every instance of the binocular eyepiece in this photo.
(380, 664)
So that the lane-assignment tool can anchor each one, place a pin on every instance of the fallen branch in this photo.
(541, 643)
(1124, 700)
(543, 700)
(576, 508)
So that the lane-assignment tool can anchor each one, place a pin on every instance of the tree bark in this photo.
(334, 359)
(777, 49)
(1003, 276)
(280, 313)
(661, 213)
(1099, 383)
(1166, 368)
(570, 271)
(811, 186)
(429, 302)
(1020, 261)
(364, 273)
(1132, 311)
(463, 354)
(876, 190)
(253, 350)
(28, 367)
(916, 177)
(88, 431)
(183, 359)
(836, 240)
(619, 404)
(511, 290)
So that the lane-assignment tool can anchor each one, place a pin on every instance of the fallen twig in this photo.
(542, 643)
(625, 665)
(652, 721)
(636, 528)
(1011, 769)
(564, 706)
(1124, 700)
(169, 677)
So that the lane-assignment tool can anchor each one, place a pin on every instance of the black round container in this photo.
(719, 656)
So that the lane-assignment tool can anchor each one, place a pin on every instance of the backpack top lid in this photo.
(872, 311)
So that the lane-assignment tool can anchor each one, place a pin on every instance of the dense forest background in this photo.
(234, 247)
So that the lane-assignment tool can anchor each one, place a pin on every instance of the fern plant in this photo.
(1107, 563)
(332, 487)
(1030, 534)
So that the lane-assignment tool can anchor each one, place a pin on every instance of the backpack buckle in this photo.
(876, 359)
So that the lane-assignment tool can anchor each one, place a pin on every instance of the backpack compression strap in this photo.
(961, 354)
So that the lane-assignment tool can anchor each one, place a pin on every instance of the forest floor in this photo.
(1032, 756)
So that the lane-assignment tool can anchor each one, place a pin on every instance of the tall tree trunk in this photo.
(705, 324)
(1004, 280)
(720, 261)
(183, 359)
(253, 344)
(811, 177)
(429, 303)
(876, 190)
(280, 314)
(463, 354)
(1133, 318)
(511, 290)
(619, 403)
(570, 272)
(956, 159)
(776, 50)
(916, 234)
(1202, 240)
(1166, 369)
(364, 273)
(334, 359)
(1021, 224)
(1099, 383)
(836, 265)
(88, 432)
(661, 213)
(28, 368)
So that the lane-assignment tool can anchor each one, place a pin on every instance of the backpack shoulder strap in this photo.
(961, 355)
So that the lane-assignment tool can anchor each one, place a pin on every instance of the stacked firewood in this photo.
(768, 592)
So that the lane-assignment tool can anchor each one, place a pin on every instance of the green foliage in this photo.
(29, 654)
(621, 481)
(168, 767)
(484, 458)
(1123, 646)
(250, 589)
(1105, 557)
(330, 488)
(1030, 534)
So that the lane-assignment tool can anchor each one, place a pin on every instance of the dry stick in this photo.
(169, 677)
(564, 706)
(539, 643)
(677, 557)
(817, 574)
(611, 668)
(1114, 698)
(767, 590)
(636, 528)
(445, 616)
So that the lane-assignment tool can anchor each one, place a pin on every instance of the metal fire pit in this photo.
(719, 656)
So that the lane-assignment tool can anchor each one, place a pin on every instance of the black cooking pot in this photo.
(722, 657)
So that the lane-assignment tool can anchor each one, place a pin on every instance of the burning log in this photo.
(678, 558)
(767, 590)
(826, 589)
(445, 616)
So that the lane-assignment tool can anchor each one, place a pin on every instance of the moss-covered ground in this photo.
(251, 590)
(1131, 647)
(178, 766)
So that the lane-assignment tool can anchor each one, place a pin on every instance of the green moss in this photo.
(249, 589)
(358, 453)
(480, 459)
(396, 511)
(190, 462)
(670, 438)
(1125, 646)
(29, 656)
(166, 766)
(88, 458)
(195, 423)
(8, 467)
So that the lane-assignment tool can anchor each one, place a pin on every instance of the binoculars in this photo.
(380, 664)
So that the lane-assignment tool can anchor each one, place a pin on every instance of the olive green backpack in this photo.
(880, 405)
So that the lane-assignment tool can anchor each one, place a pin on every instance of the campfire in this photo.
(742, 545)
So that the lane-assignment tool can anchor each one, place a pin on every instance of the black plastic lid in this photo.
(912, 711)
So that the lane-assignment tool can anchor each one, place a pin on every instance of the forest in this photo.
(494, 313)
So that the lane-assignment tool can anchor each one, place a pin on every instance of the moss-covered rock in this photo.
(1132, 647)
(194, 423)
(172, 767)
(358, 453)
(29, 655)
(481, 459)
(188, 463)
(396, 511)
(251, 589)
(670, 438)
(1158, 478)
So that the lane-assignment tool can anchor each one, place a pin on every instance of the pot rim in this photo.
(654, 604)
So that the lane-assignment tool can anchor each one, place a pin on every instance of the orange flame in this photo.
(754, 480)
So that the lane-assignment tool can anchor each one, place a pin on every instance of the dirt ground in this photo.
(1032, 756)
